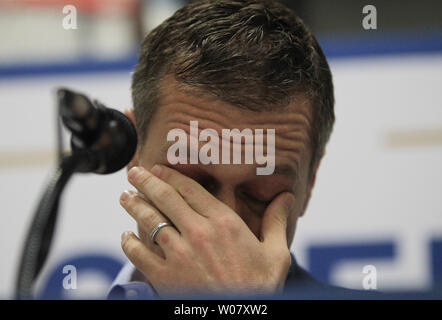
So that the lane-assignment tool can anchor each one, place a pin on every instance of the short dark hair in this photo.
(254, 54)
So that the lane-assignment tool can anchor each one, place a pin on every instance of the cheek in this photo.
(291, 229)
(293, 219)
(147, 157)
(291, 222)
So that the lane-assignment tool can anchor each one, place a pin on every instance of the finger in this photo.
(144, 236)
(274, 221)
(148, 218)
(164, 197)
(141, 257)
(198, 198)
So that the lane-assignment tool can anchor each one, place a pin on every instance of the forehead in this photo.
(177, 107)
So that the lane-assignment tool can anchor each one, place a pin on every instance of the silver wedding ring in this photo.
(158, 228)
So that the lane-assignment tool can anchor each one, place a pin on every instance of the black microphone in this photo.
(103, 141)
(105, 136)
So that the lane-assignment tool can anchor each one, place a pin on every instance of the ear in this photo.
(134, 162)
(311, 184)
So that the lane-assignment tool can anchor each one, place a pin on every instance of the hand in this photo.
(209, 248)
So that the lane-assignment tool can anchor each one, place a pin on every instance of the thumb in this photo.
(274, 222)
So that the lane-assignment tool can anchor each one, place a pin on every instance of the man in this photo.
(221, 228)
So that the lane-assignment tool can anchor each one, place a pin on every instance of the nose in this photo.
(229, 197)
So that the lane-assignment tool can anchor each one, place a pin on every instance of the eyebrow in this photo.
(283, 169)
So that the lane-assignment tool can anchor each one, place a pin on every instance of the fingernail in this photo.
(156, 170)
(134, 172)
(125, 196)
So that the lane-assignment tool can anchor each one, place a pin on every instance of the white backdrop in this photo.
(376, 200)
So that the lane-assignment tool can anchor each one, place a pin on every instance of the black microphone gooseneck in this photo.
(103, 141)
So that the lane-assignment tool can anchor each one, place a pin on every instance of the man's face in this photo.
(237, 185)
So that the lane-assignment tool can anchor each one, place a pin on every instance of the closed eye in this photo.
(255, 204)
(262, 202)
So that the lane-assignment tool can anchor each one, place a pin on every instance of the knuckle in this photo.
(180, 251)
(145, 179)
(131, 247)
(199, 235)
(279, 220)
(187, 190)
(163, 192)
(133, 203)
(150, 219)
